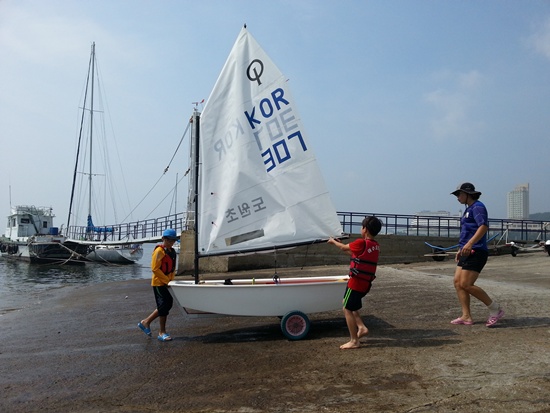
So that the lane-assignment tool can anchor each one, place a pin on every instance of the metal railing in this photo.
(131, 231)
(445, 226)
(393, 224)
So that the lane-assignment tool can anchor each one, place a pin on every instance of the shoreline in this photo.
(80, 350)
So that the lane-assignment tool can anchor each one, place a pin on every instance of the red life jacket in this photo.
(168, 264)
(361, 268)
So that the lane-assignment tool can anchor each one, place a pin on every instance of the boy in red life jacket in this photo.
(163, 264)
(364, 259)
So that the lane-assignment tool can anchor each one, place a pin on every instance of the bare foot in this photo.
(361, 332)
(349, 344)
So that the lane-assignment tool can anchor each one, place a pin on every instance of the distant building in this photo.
(434, 213)
(428, 222)
(518, 202)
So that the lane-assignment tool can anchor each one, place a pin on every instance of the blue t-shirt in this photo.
(474, 216)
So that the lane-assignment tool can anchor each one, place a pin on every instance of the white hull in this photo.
(262, 297)
(116, 254)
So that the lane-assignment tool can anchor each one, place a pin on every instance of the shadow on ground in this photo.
(382, 334)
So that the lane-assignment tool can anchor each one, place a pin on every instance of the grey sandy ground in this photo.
(79, 350)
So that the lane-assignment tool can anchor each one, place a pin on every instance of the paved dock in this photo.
(79, 350)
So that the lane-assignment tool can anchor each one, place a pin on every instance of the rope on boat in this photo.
(73, 257)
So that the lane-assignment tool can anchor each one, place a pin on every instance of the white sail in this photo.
(260, 186)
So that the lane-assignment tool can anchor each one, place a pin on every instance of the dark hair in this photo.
(372, 224)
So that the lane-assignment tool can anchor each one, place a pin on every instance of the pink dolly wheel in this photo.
(295, 325)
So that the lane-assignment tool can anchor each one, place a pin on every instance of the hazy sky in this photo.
(402, 100)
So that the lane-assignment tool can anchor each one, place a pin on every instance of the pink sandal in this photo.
(492, 320)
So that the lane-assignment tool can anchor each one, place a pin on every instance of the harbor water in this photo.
(24, 285)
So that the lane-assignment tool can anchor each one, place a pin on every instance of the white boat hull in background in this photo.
(116, 254)
(261, 297)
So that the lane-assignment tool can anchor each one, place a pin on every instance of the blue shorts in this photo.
(474, 262)
(164, 300)
(353, 300)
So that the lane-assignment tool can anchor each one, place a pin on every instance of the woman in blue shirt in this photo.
(472, 256)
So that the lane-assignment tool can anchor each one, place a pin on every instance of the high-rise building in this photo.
(518, 202)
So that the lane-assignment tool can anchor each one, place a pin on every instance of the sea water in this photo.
(22, 283)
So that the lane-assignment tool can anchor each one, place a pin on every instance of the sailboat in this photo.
(99, 250)
(259, 188)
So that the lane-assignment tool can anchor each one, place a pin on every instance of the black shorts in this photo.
(164, 300)
(474, 262)
(353, 300)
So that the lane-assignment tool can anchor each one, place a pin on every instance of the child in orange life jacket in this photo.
(163, 264)
(364, 259)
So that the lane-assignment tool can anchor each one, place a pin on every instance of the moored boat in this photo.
(115, 254)
(31, 236)
(98, 251)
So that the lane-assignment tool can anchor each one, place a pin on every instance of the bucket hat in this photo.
(466, 187)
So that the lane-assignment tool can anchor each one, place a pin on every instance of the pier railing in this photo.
(446, 226)
(394, 224)
(138, 231)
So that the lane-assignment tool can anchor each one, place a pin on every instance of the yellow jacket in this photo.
(159, 277)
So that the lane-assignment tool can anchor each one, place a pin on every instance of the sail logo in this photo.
(267, 107)
(223, 145)
(275, 129)
(254, 65)
(244, 210)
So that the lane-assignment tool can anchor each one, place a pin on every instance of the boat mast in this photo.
(91, 135)
(196, 120)
(190, 208)
(92, 58)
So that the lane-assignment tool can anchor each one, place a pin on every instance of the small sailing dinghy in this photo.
(259, 188)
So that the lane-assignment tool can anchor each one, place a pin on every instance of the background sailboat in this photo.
(259, 188)
(98, 249)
